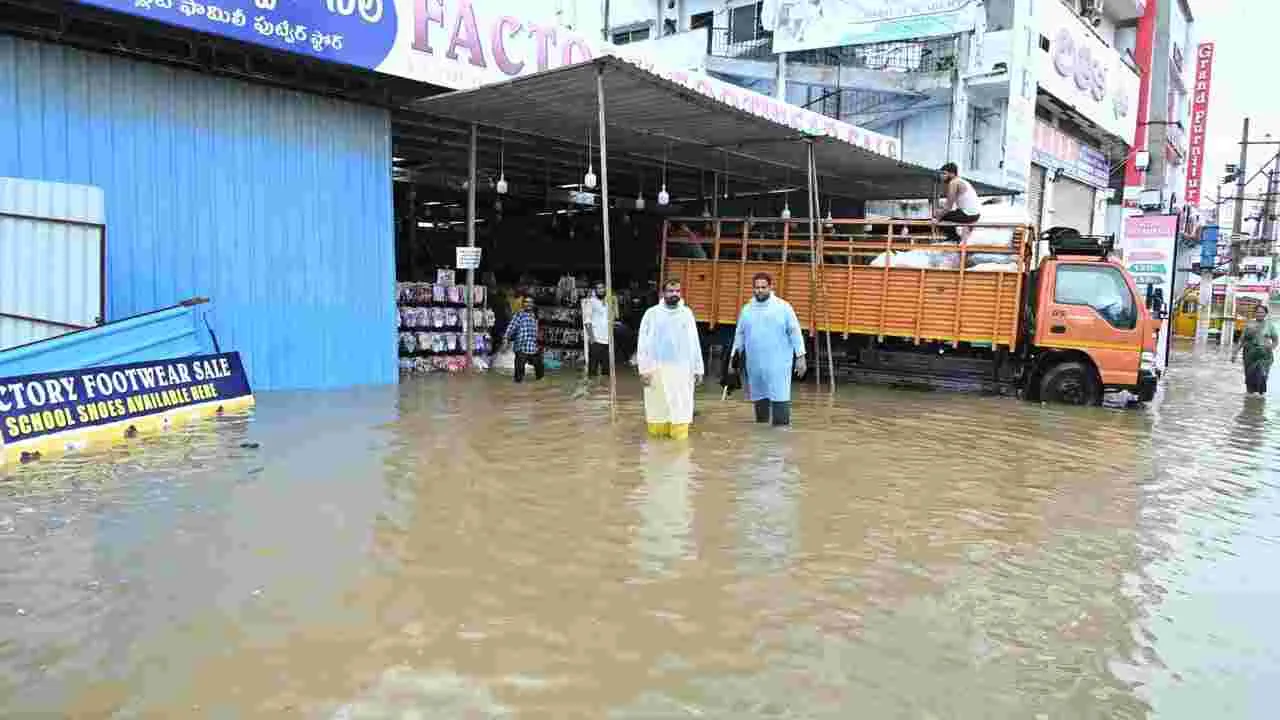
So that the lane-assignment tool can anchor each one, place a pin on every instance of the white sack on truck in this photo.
(995, 267)
(883, 258)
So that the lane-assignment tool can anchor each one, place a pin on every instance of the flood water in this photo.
(470, 549)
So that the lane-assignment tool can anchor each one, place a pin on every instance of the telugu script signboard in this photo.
(1081, 70)
(44, 413)
(457, 44)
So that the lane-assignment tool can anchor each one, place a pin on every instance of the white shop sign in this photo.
(1084, 72)
(468, 258)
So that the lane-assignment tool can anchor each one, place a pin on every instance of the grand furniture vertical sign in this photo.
(1199, 121)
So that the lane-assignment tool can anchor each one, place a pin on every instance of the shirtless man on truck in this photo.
(962, 202)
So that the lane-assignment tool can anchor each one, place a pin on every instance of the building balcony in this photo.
(934, 55)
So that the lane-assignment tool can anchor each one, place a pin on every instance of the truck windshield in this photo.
(1100, 287)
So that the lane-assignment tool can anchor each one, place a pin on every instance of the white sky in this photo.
(1245, 45)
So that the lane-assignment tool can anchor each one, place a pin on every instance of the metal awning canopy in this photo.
(632, 114)
(651, 118)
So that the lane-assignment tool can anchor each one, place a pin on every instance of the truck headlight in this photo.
(1148, 361)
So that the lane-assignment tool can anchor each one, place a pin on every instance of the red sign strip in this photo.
(1199, 121)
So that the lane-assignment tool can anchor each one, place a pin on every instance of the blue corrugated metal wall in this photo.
(275, 204)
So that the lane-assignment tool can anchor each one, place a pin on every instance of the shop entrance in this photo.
(539, 229)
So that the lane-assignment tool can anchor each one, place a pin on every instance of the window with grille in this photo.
(624, 37)
(744, 23)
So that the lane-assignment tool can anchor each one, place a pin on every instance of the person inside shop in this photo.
(961, 204)
(768, 334)
(597, 318)
(522, 337)
(669, 358)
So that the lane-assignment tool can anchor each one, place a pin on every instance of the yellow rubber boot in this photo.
(659, 430)
(680, 431)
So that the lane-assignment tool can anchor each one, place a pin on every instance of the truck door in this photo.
(1090, 306)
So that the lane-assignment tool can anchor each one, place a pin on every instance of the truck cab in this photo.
(1090, 329)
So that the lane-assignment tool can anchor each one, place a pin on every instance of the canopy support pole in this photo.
(813, 272)
(604, 234)
(471, 242)
(815, 261)
(817, 208)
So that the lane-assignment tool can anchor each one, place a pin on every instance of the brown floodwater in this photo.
(454, 548)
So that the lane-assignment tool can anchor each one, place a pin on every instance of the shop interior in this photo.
(539, 228)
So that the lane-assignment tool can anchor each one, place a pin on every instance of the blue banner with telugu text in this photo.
(34, 406)
(354, 32)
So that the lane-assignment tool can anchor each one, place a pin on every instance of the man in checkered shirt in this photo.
(522, 337)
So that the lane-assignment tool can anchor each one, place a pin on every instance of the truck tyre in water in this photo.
(1071, 383)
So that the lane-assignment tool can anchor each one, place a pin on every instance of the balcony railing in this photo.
(915, 56)
(722, 42)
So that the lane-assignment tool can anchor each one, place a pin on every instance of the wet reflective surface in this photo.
(470, 549)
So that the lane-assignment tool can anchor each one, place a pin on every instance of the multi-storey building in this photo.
(1040, 96)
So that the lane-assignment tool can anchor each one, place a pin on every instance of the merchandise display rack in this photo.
(560, 328)
(433, 326)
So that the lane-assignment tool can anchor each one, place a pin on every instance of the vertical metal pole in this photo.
(1237, 223)
(604, 227)
(813, 271)
(1206, 297)
(471, 242)
(411, 235)
(817, 208)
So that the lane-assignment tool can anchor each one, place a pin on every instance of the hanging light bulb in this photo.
(663, 196)
(589, 180)
(706, 210)
(502, 184)
(786, 209)
(639, 201)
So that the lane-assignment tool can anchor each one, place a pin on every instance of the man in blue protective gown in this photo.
(768, 334)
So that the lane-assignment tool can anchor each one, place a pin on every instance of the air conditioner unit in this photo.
(1092, 10)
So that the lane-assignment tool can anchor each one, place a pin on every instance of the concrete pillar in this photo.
(780, 85)
(958, 137)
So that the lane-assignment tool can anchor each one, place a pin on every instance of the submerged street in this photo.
(453, 548)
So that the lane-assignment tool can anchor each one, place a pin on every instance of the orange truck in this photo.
(900, 305)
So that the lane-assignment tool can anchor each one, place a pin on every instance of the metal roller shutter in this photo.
(1072, 205)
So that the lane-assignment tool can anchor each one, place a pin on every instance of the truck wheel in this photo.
(1070, 383)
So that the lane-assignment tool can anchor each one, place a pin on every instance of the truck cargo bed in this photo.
(948, 301)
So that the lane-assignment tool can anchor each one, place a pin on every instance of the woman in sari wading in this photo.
(1258, 342)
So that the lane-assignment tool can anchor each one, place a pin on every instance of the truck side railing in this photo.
(881, 277)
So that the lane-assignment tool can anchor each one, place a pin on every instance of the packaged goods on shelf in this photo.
(433, 322)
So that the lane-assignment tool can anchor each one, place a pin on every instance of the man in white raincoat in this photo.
(768, 333)
(669, 357)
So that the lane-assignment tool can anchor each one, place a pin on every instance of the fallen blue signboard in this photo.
(54, 411)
